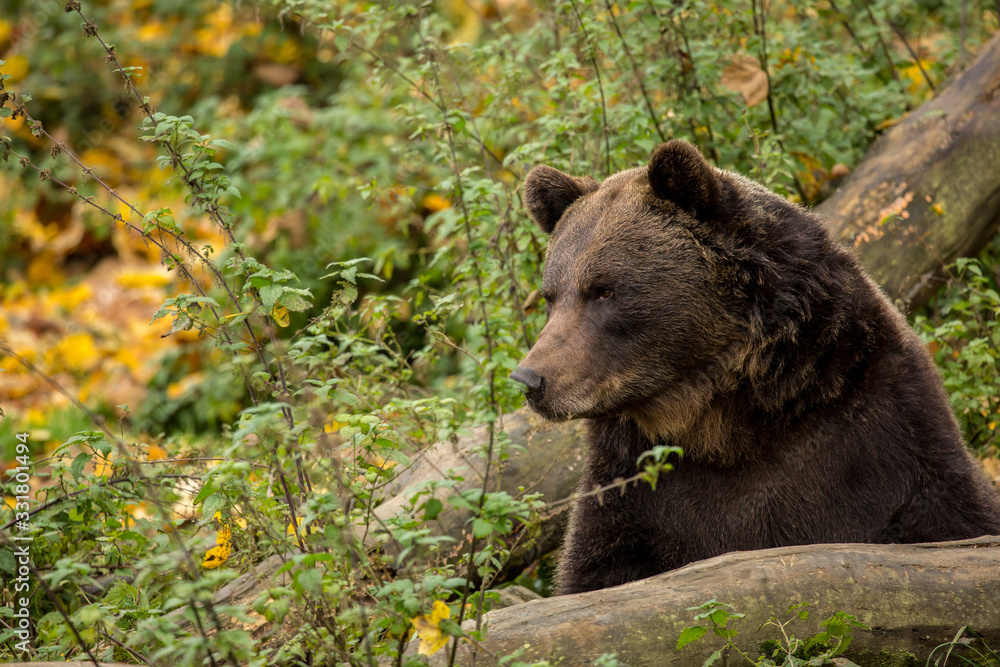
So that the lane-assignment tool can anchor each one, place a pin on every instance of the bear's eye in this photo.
(604, 293)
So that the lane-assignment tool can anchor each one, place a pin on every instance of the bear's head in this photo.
(643, 315)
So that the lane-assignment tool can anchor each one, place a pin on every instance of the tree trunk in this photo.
(913, 597)
(928, 191)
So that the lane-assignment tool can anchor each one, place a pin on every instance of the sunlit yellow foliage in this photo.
(428, 628)
(280, 315)
(156, 453)
(152, 31)
(70, 299)
(913, 74)
(76, 352)
(103, 467)
(177, 389)
(435, 202)
(136, 279)
(333, 426)
(16, 67)
(219, 32)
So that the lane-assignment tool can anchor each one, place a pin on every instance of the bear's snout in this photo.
(534, 384)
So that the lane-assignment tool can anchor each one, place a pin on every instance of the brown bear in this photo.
(690, 306)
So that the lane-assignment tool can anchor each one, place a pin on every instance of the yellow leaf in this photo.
(176, 390)
(44, 270)
(382, 463)
(743, 75)
(333, 426)
(143, 279)
(432, 639)
(435, 202)
(103, 468)
(17, 67)
(70, 299)
(916, 75)
(152, 31)
(280, 315)
(215, 557)
(77, 352)
(156, 453)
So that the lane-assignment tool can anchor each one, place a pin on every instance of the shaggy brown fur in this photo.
(691, 306)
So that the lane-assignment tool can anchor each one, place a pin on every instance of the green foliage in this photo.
(967, 648)
(962, 329)
(787, 650)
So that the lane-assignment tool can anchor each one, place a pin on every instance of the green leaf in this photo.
(432, 508)
(460, 502)
(206, 490)
(7, 563)
(689, 635)
(78, 465)
(481, 527)
(712, 658)
(269, 295)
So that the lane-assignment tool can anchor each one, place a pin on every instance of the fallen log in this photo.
(913, 597)
(928, 191)
(543, 457)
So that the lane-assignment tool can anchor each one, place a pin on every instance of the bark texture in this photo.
(913, 597)
(928, 191)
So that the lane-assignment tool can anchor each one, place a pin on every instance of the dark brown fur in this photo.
(691, 306)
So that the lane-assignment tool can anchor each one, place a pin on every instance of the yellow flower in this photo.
(432, 639)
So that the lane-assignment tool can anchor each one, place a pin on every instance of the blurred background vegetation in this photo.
(398, 133)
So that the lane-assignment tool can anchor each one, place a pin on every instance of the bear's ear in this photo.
(548, 192)
(678, 172)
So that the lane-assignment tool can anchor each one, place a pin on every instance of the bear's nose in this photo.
(534, 384)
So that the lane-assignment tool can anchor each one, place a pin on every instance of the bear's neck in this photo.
(814, 355)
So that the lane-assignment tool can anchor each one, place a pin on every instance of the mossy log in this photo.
(913, 597)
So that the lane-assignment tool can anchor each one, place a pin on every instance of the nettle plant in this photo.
(962, 330)
(350, 366)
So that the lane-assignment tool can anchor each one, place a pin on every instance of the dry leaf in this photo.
(743, 75)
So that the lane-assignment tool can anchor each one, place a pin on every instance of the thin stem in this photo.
(913, 54)
(635, 71)
(850, 31)
(878, 35)
(600, 86)
(760, 27)
(487, 334)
